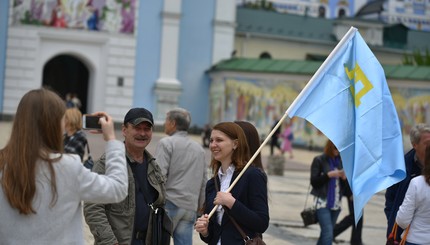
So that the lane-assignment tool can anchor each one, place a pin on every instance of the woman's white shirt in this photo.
(225, 179)
(415, 210)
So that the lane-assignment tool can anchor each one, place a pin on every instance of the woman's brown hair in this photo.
(329, 149)
(240, 156)
(253, 140)
(36, 132)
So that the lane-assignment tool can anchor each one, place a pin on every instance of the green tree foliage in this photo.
(261, 4)
(417, 58)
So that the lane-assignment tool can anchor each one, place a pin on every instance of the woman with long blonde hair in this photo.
(75, 139)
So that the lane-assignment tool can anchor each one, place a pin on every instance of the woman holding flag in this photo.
(327, 178)
(246, 204)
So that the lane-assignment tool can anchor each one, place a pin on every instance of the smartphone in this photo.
(91, 122)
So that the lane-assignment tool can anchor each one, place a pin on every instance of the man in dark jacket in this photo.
(274, 140)
(130, 221)
(414, 160)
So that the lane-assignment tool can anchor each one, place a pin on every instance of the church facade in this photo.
(115, 55)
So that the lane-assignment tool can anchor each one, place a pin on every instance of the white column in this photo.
(224, 27)
(171, 17)
(168, 87)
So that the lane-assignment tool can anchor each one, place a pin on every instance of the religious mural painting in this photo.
(413, 107)
(114, 16)
(260, 101)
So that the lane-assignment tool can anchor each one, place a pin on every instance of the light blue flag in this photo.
(349, 101)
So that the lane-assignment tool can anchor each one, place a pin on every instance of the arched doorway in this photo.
(321, 12)
(341, 13)
(67, 74)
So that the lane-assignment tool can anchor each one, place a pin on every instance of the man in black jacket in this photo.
(274, 140)
(414, 160)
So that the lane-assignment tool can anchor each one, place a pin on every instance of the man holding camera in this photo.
(130, 221)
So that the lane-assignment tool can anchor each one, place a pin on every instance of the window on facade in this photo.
(265, 55)
(321, 12)
(341, 13)
(315, 57)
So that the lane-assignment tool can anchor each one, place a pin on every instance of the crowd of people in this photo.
(133, 197)
(45, 189)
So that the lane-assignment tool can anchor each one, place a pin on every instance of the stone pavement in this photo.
(287, 196)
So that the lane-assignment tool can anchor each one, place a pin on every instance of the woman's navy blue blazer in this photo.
(250, 209)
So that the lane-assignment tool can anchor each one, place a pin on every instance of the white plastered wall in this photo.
(108, 57)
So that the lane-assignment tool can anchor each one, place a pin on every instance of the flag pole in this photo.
(344, 39)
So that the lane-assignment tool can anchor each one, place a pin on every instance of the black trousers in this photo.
(274, 143)
(348, 221)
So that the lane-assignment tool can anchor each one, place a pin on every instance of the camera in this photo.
(91, 122)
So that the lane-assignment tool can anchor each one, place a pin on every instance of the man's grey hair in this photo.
(417, 131)
(181, 117)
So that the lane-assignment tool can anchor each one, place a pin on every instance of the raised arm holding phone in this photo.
(42, 187)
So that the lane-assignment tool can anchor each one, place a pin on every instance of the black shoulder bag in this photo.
(161, 226)
(89, 163)
(309, 215)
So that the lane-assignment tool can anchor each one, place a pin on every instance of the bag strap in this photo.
(147, 198)
(307, 195)
(394, 230)
(394, 233)
(403, 241)
(242, 233)
(88, 148)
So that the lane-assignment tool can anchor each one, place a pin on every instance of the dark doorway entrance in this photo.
(67, 74)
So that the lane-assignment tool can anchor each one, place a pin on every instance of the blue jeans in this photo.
(327, 219)
(183, 223)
